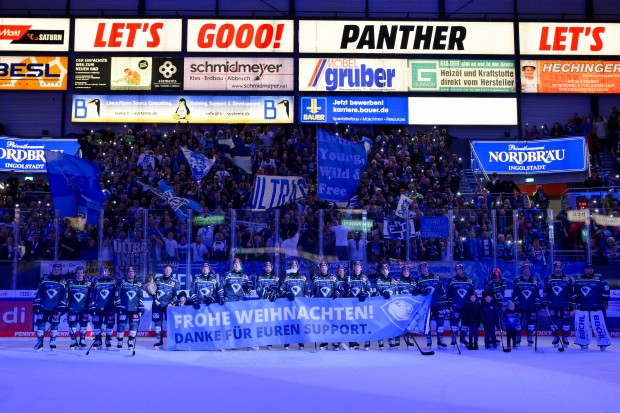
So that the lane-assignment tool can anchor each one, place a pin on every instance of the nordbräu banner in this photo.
(340, 164)
(274, 191)
(261, 322)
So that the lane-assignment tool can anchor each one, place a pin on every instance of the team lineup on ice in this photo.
(336, 311)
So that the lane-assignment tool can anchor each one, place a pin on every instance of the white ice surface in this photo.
(304, 381)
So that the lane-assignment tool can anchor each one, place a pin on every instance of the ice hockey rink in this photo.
(308, 381)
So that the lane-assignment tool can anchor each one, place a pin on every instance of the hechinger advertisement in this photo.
(182, 109)
(540, 156)
(27, 155)
(570, 76)
(261, 322)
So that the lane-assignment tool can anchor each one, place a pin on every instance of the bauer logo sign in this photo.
(595, 39)
(33, 72)
(275, 36)
(50, 35)
(129, 35)
(405, 37)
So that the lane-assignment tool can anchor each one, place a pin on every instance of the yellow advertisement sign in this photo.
(33, 72)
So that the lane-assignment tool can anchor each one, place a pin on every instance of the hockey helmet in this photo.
(496, 272)
(294, 264)
(459, 267)
(103, 271)
(130, 270)
(423, 264)
(557, 264)
(206, 265)
(57, 266)
(268, 264)
(384, 267)
(357, 263)
(237, 261)
(323, 263)
(588, 265)
(79, 268)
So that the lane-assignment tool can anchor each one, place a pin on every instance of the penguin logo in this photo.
(104, 294)
(131, 295)
(236, 288)
(585, 291)
(296, 290)
(97, 104)
(286, 104)
(182, 114)
(204, 292)
(78, 296)
(51, 293)
(325, 291)
(557, 289)
(461, 292)
(526, 294)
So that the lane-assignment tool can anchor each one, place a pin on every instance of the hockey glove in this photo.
(141, 311)
(196, 305)
(386, 294)
(36, 308)
(290, 296)
(425, 291)
(272, 297)
(362, 296)
(337, 294)
(222, 301)
(92, 312)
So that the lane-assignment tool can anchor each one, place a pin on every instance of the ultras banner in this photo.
(261, 322)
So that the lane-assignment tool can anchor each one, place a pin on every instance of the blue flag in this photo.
(236, 149)
(340, 164)
(74, 184)
(261, 322)
(199, 164)
(179, 205)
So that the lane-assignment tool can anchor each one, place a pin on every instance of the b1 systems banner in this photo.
(494, 76)
(540, 156)
(127, 73)
(33, 72)
(26, 155)
(213, 73)
(360, 109)
(405, 37)
(172, 109)
(34, 35)
(261, 322)
(572, 76)
(591, 39)
(128, 35)
(273, 36)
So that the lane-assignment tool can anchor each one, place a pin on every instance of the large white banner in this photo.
(274, 191)
(405, 37)
(274, 36)
(128, 35)
(592, 39)
(462, 111)
(34, 35)
(219, 73)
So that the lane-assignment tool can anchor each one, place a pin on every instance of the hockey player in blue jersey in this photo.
(386, 287)
(204, 287)
(429, 283)
(591, 299)
(324, 286)
(166, 296)
(234, 284)
(78, 293)
(294, 285)
(50, 302)
(526, 297)
(405, 284)
(459, 289)
(558, 295)
(129, 308)
(267, 283)
(497, 285)
(359, 287)
(341, 288)
(101, 307)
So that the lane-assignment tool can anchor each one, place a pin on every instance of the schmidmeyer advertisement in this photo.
(540, 156)
(34, 35)
(405, 37)
(213, 73)
(33, 72)
(592, 39)
(273, 36)
(26, 155)
(128, 35)
(182, 109)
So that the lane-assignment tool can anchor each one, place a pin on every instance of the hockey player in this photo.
(50, 302)
(101, 307)
(204, 288)
(267, 284)
(129, 308)
(526, 297)
(405, 285)
(459, 289)
(294, 285)
(558, 295)
(591, 300)
(359, 287)
(497, 285)
(235, 284)
(428, 283)
(166, 296)
(341, 287)
(386, 287)
(78, 292)
(324, 286)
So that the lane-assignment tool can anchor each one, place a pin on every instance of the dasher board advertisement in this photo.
(182, 109)
(27, 155)
(236, 73)
(405, 37)
(34, 35)
(33, 72)
(128, 35)
(570, 76)
(562, 39)
(128, 73)
(272, 36)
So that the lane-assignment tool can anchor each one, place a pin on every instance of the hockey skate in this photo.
(440, 343)
(53, 344)
(301, 347)
(97, 343)
(131, 342)
(82, 344)
(323, 346)
(39, 345)
(584, 347)
(159, 344)
(603, 347)
(366, 346)
(74, 345)
(108, 343)
(556, 341)
(119, 344)
(565, 341)
(269, 347)
(429, 342)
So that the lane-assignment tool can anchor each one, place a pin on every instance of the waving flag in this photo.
(179, 205)
(74, 184)
(236, 149)
(199, 164)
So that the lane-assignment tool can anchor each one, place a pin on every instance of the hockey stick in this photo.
(424, 353)
(536, 338)
(456, 343)
(501, 337)
(91, 346)
(561, 348)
